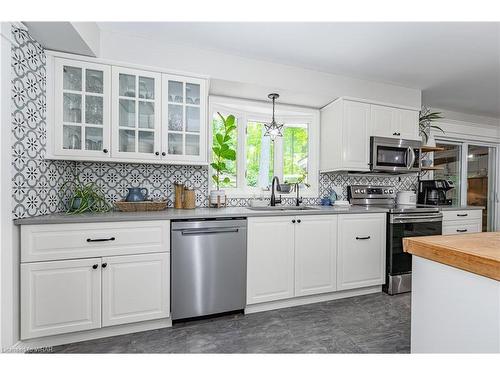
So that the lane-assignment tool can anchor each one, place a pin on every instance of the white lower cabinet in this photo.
(291, 256)
(270, 259)
(315, 255)
(60, 297)
(93, 290)
(462, 221)
(135, 288)
(361, 254)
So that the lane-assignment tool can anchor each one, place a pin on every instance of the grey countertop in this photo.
(198, 213)
(457, 208)
(204, 213)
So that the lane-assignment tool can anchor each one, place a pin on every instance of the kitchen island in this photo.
(455, 293)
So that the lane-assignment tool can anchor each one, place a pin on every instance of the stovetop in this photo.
(384, 197)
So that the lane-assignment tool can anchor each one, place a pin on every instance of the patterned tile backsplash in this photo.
(37, 182)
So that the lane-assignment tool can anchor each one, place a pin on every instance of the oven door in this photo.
(408, 225)
(394, 155)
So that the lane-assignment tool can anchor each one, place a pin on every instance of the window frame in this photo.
(250, 110)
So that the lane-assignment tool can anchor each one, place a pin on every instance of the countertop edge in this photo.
(172, 214)
(450, 256)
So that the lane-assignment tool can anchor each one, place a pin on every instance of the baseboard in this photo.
(305, 300)
(44, 343)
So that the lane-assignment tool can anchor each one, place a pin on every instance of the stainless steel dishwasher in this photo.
(208, 267)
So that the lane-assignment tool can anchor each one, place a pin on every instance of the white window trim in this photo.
(249, 110)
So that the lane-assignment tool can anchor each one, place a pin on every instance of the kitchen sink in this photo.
(282, 208)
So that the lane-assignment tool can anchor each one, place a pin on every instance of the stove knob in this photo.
(386, 191)
(356, 191)
(391, 191)
(362, 191)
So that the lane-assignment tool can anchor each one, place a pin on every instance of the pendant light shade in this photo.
(273, 129)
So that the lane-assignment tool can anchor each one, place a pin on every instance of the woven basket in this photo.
(141, 206)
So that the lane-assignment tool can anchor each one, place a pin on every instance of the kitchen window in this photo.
(293, 157)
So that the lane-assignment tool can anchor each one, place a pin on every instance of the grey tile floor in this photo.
(375, 323)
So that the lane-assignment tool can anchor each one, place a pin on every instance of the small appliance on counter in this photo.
(434, 192)
(403, 220)
(406, 197)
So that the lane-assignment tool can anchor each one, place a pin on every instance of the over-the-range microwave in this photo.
(394, 155)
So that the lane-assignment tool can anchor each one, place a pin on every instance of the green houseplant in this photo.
(425, 124)
(84, 197)
(222, 152)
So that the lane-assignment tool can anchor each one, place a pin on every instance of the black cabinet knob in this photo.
(157, 153)
(299, 221)
(104, 265)
(396, 133)
(163, 153)
(95, 266)
(293, 221)
(105, 150)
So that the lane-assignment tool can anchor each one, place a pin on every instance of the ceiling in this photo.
(455, 64)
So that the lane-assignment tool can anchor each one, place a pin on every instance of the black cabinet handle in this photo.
(95, 266)
(105, 150)
(363, 238)
(157, 153)
(163, 153)
(100, 239)
(104, 265)
(462, 215)
(461, 230)
(293, 221)
(299, 221)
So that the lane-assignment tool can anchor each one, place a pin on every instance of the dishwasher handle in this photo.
(194, 232)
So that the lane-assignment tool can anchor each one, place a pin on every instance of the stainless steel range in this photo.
(402, 221)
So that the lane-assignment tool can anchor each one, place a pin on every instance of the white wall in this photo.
(459, 125)
(242, 77)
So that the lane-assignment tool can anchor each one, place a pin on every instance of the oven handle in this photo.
(417, 219)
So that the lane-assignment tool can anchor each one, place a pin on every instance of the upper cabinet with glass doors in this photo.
(81, 109)
(184, 118)
(100, 112)
(136, 114)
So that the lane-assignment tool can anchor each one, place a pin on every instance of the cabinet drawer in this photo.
(462, 227)
(70, 241)
(462, 215)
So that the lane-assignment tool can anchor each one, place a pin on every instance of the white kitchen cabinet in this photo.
(136, 108)
(81, 109)
(462, 221)
(291, 256)
(361, 251)
(135, 288)
(102, 112)
(345, 136)
(315, 254)
(270, 259)
(184, 134)
(393, 122)
(60, 297)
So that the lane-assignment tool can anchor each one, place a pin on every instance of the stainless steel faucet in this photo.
(273, 196)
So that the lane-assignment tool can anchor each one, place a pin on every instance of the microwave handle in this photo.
(411, 152)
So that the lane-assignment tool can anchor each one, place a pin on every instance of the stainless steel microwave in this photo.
(394, 155)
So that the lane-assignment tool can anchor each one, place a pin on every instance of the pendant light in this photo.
(273, 129)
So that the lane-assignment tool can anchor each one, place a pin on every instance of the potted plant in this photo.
(425, 125)
(85, 197)
(222, 152)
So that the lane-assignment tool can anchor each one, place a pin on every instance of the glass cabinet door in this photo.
(184, 119)
(81, 116)
(136, 114)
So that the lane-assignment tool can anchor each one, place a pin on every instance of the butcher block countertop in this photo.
(478, 253)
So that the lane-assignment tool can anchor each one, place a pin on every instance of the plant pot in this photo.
(77, 202)
(217, 198)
